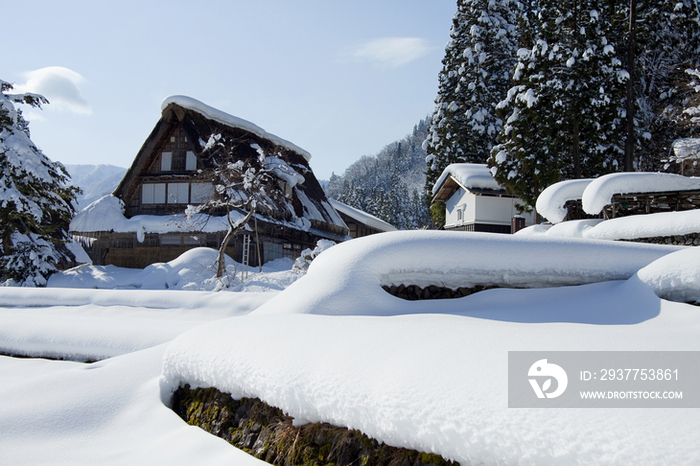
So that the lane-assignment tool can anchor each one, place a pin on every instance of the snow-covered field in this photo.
(334, 347)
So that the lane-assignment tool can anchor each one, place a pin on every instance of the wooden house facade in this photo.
(172, 171)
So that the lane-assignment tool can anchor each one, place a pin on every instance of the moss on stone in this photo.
(268, 434)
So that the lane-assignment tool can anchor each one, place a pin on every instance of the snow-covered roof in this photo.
(469, 176)
(600, 191)
(550, 203)
(107, 214)
(360, 216)
(230, 120)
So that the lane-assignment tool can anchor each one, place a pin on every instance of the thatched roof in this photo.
(214, 137)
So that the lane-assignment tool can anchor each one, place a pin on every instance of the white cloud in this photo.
(58, 84)
(391, 51)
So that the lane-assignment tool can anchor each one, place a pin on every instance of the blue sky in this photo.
(339, 78)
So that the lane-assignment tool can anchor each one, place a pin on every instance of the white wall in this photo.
(481, 209)
(460, 200)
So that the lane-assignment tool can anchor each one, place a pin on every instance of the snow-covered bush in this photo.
(301, 265)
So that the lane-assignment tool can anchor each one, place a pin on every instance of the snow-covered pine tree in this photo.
(475, 77)
(386, 185)
(689, 97)
(563, 113)
(668, 43)
(35, 201)
(444, 144)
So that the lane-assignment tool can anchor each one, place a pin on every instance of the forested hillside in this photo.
(389, 185)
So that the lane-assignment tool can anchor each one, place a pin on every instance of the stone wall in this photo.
(268, 434)
(415, 292)
(691, 239)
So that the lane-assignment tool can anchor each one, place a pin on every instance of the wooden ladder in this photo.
(246, 255)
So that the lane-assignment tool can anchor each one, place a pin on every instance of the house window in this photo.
(153, 193)
(166, 161)
(201, 193)
(192, 241)
(178, 161)
(191, 164)
(178, 193)
(169, 240)
(459, 214)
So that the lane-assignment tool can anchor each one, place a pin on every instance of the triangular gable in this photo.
(188, 138)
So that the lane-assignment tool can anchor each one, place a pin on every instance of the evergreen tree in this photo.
(35, 202)
(563, 113)
(386, 185)
(667, 43)
(474, 79)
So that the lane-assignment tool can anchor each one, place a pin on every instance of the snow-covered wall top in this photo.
(647, 226)
(600, 191)
(550, 203)
(230, 120)
(361, 216)
(469, 175)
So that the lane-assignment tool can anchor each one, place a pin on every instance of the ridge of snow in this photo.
(462, 260)
(675, 277)
(361, 216)
(230, 120)
(550, 203)
(646, 226)
(469, 176)
(600, 191)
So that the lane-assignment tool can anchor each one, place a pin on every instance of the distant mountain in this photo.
(95, 181)
(389, 185)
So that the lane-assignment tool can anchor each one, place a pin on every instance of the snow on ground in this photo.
(85, 325)
(194, 271)
(335, 347)
(111, 412)
(574, 228)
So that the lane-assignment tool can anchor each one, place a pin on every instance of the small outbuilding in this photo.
(474, 201)
(360, 223)
(144, 220)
